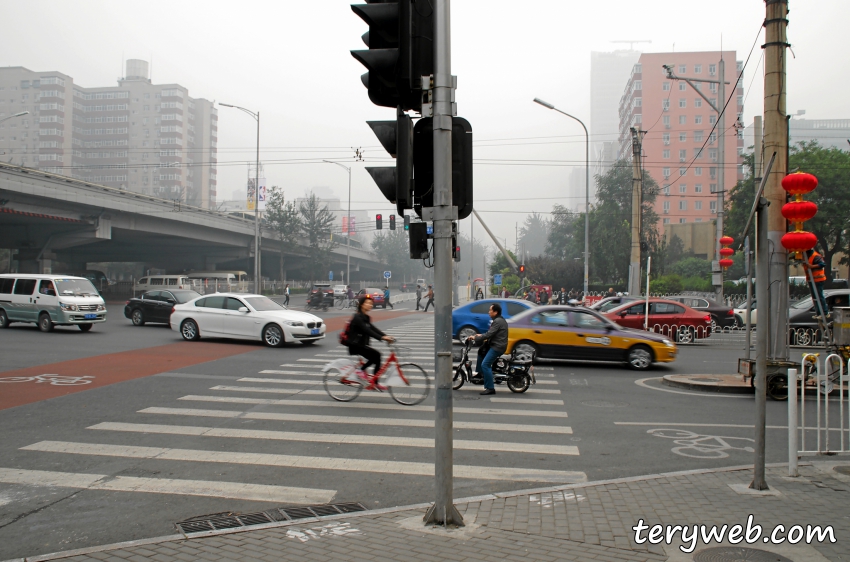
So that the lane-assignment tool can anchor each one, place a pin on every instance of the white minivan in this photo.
(50, 300)
(160, 282)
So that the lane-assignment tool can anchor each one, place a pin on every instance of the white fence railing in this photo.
(827, 378)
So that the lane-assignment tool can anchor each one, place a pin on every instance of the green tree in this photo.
(317, 225)
(500, 263)
(691, 267)
(393, 250)
(566, 234)
(285, 221)
(533, 234)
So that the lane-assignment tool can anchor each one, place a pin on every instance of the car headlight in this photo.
(66, 306)
(101, 308)
(668, 343)
(294, 323)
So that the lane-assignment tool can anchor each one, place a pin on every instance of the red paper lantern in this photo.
(727, 241)
(726, 252)
(726, 263)
(799, 211)
(799, 241)
(799, 183)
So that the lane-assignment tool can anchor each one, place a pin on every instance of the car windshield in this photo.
(185, 296)
(261, 304)
(76, 287)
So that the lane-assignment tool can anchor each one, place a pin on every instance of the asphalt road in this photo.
(237, 427)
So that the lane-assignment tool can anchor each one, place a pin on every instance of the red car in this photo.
(376, 294)
(679, 322)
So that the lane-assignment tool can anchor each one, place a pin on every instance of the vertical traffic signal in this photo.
(419, 241)
(522, 270)
(392, 222)
(407, 222)
(397, 138)
(379, 221)
(423, 165)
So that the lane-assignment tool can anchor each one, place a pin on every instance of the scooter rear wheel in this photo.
(519, 384)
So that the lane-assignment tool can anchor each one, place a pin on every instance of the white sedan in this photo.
(246, 317)
(741, 315)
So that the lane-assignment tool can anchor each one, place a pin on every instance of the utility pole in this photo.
(443, 512)
(776, 140)
(718, 106)
(637, 187)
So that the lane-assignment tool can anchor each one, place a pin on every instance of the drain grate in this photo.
(218, 521)
(737, 554)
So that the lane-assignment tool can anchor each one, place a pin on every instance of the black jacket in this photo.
(361, 329)
(497, 335)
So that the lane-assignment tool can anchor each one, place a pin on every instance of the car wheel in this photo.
(44, 323)
(640, 358)
(526, 349)
(4, 320)
(84, 327)
(465, 332)
(137, 317)
(739, 322)
(685, 334)
(273, 335)
(189, 330)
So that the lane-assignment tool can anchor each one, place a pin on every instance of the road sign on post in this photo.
(388, 274)
(497, 279)
(330, 275)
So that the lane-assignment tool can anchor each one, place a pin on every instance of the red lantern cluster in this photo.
(726, 252)
(798, 212)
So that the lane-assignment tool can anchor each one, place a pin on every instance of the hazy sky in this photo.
(289, 59)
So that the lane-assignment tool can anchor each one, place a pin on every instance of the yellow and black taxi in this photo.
(566, 332)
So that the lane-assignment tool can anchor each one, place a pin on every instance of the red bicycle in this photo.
(408, 383)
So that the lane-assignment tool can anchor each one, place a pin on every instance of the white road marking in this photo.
(232, 490)
(382, 466)
(336, 439)
(320, 374)
(642, 382)
(529, 401)
(268, 390)
(349, 420)
(373, 406)
(744, 426)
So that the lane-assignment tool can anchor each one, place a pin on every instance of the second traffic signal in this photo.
(392, 222)
(407, 222)
(379, 221)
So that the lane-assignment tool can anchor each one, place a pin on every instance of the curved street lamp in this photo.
(347, 238)
(257, 275)
(15, 115)
(586, 187)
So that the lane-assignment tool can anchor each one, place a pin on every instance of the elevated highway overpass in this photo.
(48, 218)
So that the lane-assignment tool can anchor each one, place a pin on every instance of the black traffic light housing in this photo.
(418, 241)
(392, 222)
(379, 221)
(407, 222)
(423, 165)
(397, 138)
(522, 270)
(400, 42)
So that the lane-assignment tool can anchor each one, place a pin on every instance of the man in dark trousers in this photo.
(430, 296)
(418, 295)
(816, 269)
(497, 339)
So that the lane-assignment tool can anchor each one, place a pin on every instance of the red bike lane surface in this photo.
(123, 366)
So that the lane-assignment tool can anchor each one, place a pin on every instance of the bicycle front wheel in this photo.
(340, 303)
(341, 387)
(417, 388)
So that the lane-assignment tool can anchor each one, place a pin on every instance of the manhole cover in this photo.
(737, 554)
(842, 470)
(467, 398)
(605, 404)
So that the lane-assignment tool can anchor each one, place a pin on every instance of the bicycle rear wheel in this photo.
(417, 388)
(340, 387)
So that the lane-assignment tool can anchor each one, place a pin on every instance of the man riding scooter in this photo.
(497, 342)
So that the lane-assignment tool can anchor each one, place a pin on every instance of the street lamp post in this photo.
(15, 115)
(348, 237)
(586, 187)
(257, 276)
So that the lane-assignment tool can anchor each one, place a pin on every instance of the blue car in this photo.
(474, 318)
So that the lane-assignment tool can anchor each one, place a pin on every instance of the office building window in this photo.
(666, 120)
(697, 69)
(698, 136)
(665, 105)
(666, 206)
(683, 171)
(712, 119)
(712, 138)
(697, 219)
(683, 119)
(666, 221)
(665, 86)
(697, 102)
(638, 102)
(683, 136)
(682, 221)
(665, 172)
(683, 205)
(698, 119)
(683, 103)
(683, 154)
(682, 69)
(666, 189)
(665, 137)
(712, 69)
(697, 153)
(666, 153)
(712, 206)
(712, 87)
(682, 86)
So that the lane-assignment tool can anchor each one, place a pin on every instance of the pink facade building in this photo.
(680, 147)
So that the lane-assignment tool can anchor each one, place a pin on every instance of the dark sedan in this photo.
(155, 306)
(802, 324)
(722, 316)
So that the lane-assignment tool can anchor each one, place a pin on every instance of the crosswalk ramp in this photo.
(281, 423)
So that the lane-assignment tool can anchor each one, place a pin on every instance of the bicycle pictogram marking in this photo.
(698, 446)
(53, 379)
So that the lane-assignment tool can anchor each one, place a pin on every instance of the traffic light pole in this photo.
(443, 511)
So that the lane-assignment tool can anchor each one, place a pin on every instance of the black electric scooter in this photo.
(516, 372)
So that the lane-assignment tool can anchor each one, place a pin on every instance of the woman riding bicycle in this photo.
(360, 330)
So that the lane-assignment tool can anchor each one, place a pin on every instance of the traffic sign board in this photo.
(387, 274)
(330, 275)
(497, 279)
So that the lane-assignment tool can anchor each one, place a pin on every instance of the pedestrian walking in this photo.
(430, 296)
(815, 268)
(504, 293)
(387, 298)
(418, 296)
(544, 296)
(562, 296)
(286, 295)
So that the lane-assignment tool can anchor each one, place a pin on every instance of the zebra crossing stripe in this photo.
(382, 466)
(268, 390)
(349, 420)
(335, 438)
(207, 488)
(320, 374)
(372, 406)
(529, 401)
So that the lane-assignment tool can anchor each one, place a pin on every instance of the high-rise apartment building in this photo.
(608, 73)
(143, 137)
(680, 148)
